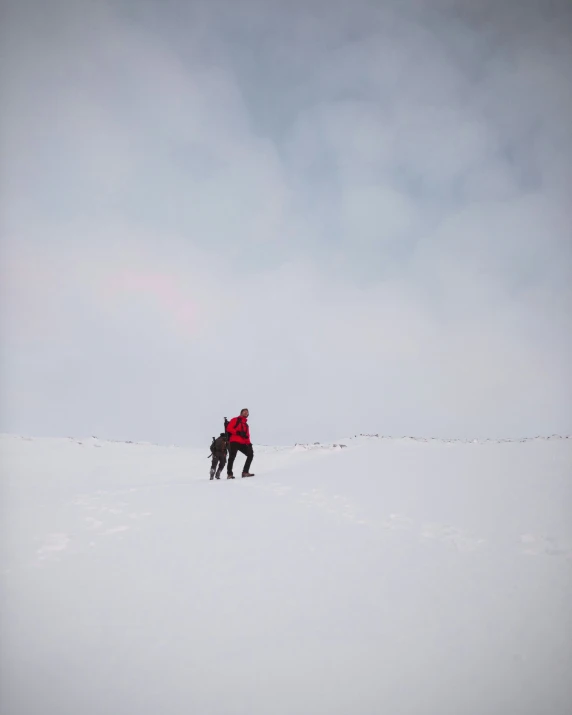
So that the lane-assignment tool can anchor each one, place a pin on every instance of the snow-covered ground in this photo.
(405, 577)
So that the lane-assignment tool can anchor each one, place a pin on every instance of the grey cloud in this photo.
(350, 216)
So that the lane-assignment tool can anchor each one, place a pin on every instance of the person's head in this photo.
(244, 413)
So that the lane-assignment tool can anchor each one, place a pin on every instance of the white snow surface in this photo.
(398, 576)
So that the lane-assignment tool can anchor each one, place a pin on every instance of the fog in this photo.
(344, 216)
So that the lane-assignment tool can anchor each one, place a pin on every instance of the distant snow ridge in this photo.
(299, 447)
(309, 446)
(462, 440)
(304, 446)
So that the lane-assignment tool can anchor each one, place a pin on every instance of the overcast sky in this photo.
(348, 216)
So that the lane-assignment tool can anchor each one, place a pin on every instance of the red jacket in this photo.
(239, 430)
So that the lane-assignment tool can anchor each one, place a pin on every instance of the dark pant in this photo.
(219, 460)
(246, 449)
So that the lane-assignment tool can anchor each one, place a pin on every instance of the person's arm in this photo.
(231, 426)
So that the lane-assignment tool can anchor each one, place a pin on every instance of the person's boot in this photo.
(247, 474)
(217, 475)
(229, 476)
(212, 473)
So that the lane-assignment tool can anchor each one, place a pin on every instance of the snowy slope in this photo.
(389, 576)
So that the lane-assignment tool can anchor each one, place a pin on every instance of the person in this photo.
(219, 449)
(239, 432)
